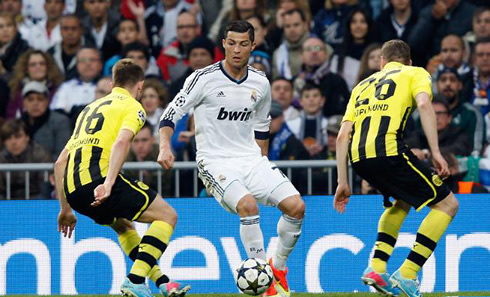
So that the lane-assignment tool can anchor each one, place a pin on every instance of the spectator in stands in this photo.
(262, 46)
(11, 44)
(4, 100)
(48, 128)
(141, 55)
(282, 91)
(397, 20)
(73, 95)
(329, 22)
(286, 60)
(127, 33)
(333, 128)
(464, 115)
(316, 68)
(260, 60)
(451, 138)
(154, 98)
(369, 61)
(15, 9)
(173, 58)
(144, 149)
(436, 21)
(46, 33)
(101, 26)
(103, 87)
(358, 34)
(452, 56)
(64, 52)
(33, 65)
(161, 22)
(311, 125)
(481, 29)
(455, 180)
(20, 149)
(201, 54)
(481, 75)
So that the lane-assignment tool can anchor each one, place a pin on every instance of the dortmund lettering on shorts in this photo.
(95, 132)
(379, 108)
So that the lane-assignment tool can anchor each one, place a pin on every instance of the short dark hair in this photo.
(282, 78)
(126, 73)
(148, 126)
(482, 40)
(396, 50)
(259, 18)
(310, 86)
(442, 101)
(131, 21)
(301, 13)
(241, 27)
(479, 11)
(12, 127)
(136, 46)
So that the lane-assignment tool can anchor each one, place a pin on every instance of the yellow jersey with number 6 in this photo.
(95, 132)
(379, 108)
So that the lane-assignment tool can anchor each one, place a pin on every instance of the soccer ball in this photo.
(254, 276)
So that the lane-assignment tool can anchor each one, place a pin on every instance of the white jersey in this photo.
(228, 114)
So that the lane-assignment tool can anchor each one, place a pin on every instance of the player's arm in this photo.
(264, 145)
(343, 190)
(119, 153)
(66, 219)
(428, 119)
(186, 99)
(263, 121)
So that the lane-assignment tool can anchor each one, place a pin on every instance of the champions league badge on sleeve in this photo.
(141, 117)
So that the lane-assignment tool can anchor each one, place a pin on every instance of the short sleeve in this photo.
(350, 111)
(134, 118)
(421, 82)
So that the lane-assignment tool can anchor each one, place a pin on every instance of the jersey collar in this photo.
(244, 78)
(392, 65)
(121, 91)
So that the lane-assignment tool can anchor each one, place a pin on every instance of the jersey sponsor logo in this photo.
(221, 94)
(234, 115)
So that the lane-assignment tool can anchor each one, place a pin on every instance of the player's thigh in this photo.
(268, 184)
(121, 226)
(224, 182)
(159, 210)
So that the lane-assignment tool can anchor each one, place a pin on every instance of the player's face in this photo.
(187, 28)
(97, 8)
(282, 91)
(482, 54)
(443, 117)
(142, 143)
(314, 52)
(199, 58)
(374, 59)
(35, 104)
(71, 30)
(88, 64)
(312, 101)
(358, 26)
(54, 8)
(127, 32)
(7, 30)
(17, 143)
(481, 24)
(237, 49)
(294, 27)
(36, 67)
(452, 52)
(150, 100)
(448, 85)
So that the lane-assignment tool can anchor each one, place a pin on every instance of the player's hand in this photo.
(439, 9)
(341, 197)
(166, 158)
(441, 165)
(101, 193)
(66, 222)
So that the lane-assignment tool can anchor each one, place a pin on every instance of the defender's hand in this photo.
(441, 165)
(341, 197)
(101, 193)
(66, 222)
(166, 158)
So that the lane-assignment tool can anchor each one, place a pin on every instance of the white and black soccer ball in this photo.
(254, 276)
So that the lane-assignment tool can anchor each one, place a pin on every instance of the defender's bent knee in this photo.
(247, 206)
(449, 205)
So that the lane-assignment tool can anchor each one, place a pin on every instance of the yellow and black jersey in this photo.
(379, 108)
(95, 132)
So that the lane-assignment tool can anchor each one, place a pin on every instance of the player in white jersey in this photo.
(231, 102)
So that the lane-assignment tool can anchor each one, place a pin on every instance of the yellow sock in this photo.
(429, 233)
(129, 242)
(152, 245)
(388, 227)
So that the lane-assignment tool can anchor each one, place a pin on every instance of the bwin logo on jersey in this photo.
(234, 115)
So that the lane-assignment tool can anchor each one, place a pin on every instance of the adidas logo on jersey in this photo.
(234, 115)
(221, 94)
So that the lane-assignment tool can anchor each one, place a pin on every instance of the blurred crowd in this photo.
(56, 57)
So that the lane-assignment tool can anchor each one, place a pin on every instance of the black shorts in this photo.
(129, 199)
(403, 177)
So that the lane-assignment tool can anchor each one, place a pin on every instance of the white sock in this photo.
(289, 230)
(252, 237)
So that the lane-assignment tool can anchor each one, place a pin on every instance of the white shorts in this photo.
(229, 180)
